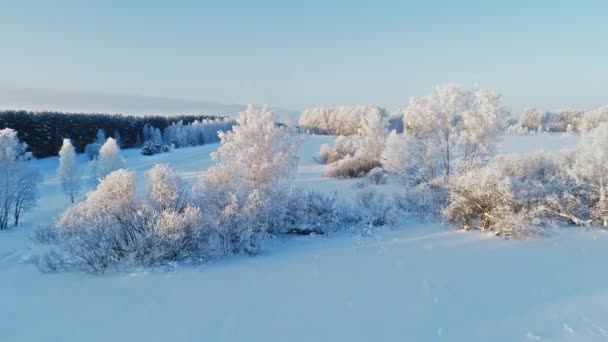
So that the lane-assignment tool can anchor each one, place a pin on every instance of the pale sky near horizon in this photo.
(296, 54)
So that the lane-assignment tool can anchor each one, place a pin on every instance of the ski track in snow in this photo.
(421, 282)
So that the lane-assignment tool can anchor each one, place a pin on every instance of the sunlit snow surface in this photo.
(421, 282)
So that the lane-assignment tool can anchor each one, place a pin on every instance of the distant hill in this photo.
(97, 102)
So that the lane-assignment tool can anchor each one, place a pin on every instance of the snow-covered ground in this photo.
(421, 282)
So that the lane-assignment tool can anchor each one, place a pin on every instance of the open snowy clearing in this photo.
(421, 282)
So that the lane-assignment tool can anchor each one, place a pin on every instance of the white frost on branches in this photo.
(67, 171)
(109, 160)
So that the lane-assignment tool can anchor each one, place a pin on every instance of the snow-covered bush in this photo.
(67, 171)
(342, 120)
(354, 156)
(109, 160)
(453, 124)
(18, 183)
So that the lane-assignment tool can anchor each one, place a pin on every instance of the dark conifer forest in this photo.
(44, 131)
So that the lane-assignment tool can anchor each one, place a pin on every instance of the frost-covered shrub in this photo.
(515, 196)
(375, 208)
(311, 212)
(115, 227)
(425, 200)
(354, 156)
(350, 167)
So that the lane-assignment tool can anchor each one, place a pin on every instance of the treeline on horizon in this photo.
(44, 131)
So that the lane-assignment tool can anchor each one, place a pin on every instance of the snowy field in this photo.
(420, 282)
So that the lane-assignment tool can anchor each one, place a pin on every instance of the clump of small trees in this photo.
(341, 120)
(566, 120)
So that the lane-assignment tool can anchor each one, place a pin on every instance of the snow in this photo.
(421, 282)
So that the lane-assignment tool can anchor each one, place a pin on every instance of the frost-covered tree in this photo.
(244, 193)
(256, 153)
(18, 183)
(26, 194)
(454, 123)
(109, 160)
(67, 171)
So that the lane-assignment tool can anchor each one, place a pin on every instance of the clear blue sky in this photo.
(294, 54)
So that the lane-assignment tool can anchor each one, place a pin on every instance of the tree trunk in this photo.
(17, 213)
